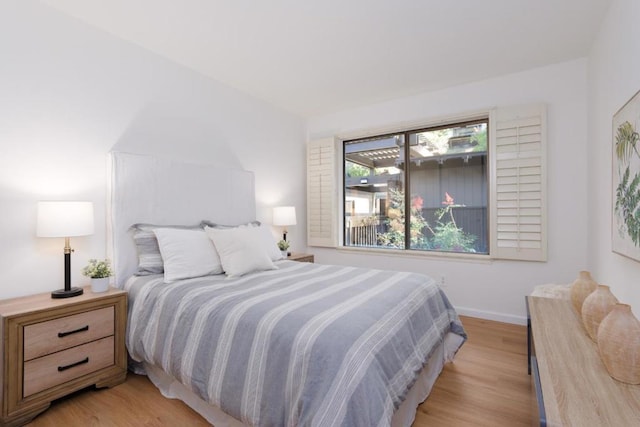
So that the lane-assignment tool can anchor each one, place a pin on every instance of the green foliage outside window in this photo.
(354, 170)
(394, 237)
(447, 236)
(445, 233)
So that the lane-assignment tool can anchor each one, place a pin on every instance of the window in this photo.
(445, 178)
(474, 187)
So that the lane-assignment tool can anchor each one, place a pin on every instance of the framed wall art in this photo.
(625, 235)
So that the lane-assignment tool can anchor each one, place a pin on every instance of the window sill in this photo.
(440, 256)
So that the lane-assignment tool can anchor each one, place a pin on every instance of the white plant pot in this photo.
(284, 254)
(100, 285)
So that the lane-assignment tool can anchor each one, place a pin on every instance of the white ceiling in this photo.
(315, 57)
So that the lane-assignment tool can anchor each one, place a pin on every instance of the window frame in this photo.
(406, 181)
(517, 145)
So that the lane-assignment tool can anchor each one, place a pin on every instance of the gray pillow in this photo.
(212, 224)
(149, 258)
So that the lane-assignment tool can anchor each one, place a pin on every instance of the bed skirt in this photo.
(403, 417)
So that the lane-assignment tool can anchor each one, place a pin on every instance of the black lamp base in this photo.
(63, 293)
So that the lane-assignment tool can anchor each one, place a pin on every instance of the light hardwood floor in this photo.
(487, 385)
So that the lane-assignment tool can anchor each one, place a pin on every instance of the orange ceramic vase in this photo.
(581, 288)
(595, 307)
(619, 344)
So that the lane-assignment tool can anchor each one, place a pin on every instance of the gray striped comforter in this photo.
(307, 344)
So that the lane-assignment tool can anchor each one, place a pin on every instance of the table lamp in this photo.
(284, 216)
(65, 219)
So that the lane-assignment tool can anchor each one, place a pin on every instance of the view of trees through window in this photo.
(445, 180)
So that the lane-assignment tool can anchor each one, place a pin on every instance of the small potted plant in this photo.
(283, 245)
(99, 272)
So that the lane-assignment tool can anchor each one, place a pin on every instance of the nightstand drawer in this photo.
(65, 332)
(57, 368)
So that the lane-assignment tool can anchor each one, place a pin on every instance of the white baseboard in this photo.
(491, 315)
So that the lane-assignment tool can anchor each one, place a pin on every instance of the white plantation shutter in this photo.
(518, 183)
(322, 200)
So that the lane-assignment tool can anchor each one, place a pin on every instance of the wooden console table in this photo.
(572, 384)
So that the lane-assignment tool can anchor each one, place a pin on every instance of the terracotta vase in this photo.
(595, 307)
(581, 288)
(619, 344)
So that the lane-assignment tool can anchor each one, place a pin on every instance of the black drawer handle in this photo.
(64, 334)
(81, 362)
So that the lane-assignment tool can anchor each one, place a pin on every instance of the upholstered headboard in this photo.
(145, 189)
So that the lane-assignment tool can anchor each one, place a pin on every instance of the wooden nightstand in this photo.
(53, 347)
(300, 257)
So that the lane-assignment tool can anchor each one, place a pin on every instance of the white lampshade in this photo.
(64, 219)
(284, 215)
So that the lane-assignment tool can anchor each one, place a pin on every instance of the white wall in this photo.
(614, 77)
(496, 289)
(69, 94)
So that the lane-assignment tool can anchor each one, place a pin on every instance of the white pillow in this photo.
(186, 254)
(269, 243)
(241, 250)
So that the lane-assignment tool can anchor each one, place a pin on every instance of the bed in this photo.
(285, 344)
